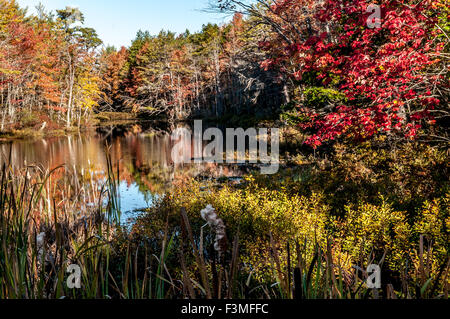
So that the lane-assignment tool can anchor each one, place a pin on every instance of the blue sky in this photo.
(117, 21)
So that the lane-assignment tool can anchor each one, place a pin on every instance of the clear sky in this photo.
(117, 21)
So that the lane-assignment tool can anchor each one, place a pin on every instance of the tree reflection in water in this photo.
(142, 160)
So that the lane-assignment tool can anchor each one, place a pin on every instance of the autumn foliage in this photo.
(352, 69)
(392, 77)
(47, 68)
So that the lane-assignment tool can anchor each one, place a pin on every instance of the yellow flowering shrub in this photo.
(433, 222)
(268, 216)
(377, 230)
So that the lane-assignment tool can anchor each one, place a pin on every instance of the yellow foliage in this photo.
(89, 91)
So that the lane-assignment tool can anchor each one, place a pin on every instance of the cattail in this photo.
(40, 240)
(210, 216)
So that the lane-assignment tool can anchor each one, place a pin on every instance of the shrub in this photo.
(378, 231)
(268, 220)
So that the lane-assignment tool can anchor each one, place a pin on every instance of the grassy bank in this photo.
(108, 118)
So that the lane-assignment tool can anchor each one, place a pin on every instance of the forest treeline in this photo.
(317, 64)
(213, 72)
(49, 74)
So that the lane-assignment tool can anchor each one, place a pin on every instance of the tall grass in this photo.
(52, 219)
(49, 220)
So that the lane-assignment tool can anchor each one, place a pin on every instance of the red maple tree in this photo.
(390, 75)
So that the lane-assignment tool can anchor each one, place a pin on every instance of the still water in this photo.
(143, 161)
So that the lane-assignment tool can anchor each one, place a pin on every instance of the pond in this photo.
(141, 158)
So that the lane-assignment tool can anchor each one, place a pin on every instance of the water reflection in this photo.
(142, 160)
